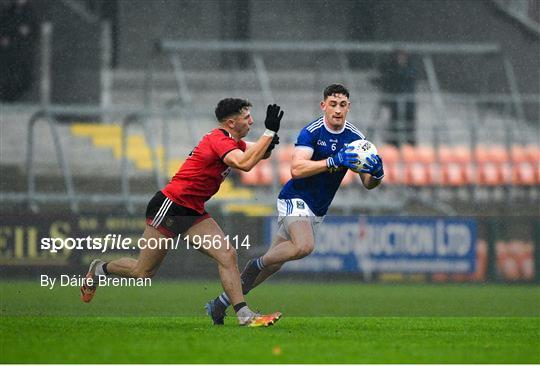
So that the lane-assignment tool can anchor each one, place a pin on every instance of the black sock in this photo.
(239, 306)
(104, 266)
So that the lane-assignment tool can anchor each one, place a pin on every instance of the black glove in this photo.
(273, 117)
(275, 141)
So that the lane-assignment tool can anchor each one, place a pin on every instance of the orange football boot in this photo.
(264, 320)
(88, 292)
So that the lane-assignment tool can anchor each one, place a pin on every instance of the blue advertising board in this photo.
(389, 244)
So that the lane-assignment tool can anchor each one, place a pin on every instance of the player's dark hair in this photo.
(335, 89)
(230, 106)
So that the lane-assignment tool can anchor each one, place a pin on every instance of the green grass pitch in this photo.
(322, 323)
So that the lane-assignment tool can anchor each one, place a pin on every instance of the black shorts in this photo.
(169, 218)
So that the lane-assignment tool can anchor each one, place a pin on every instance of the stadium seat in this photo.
(523, 172)
(250, 178)
(174, 165)
(501, 157)
(420, 165)
(248, 209)
(455, 166)
(229, 191)
(260, 175)
(109, 136)
(266, 176)
(285, 153)
(392, 164)
(284, 172)
(492, 165)
(533, 152)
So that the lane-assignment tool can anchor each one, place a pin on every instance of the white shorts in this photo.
(292, 210)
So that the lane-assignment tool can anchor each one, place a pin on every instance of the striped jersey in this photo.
(319, 190)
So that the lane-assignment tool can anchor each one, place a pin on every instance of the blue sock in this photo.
(223, 299)
(258, 263)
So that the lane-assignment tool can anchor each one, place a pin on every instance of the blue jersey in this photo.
(319, 190)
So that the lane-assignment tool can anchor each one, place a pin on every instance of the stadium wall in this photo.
(463, 21)
(143, 22)
(75, 55)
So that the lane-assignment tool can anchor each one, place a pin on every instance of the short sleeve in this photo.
(305, 139)
(222, 144)
(242, 145)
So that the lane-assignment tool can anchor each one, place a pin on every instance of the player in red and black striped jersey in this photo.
(179, 207)
(200, 176)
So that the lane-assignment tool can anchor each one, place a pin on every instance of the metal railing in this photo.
(522, 10)
(49, 114)
(470, 133)
(258, 50)
(60, 156)
(175, 50)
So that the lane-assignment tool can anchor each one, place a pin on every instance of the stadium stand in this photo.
(453, 151)
(445, 166)
(392, 164)
(419, 164)
(476, 152)
(138, 151)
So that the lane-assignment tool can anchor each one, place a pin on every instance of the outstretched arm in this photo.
(275, 141)
(246, 160)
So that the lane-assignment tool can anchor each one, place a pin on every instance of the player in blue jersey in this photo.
(319, 163)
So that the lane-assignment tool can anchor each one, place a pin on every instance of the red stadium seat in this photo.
(419, 163)
(455, 166)
(464, 157)
(263, 173)
(392, 164)
(267, 172)
(501, 157)
(284, 172)
(533, 152)
(492, 165)
(285, 153)
(523, 172)
(451, 172)
(260, 175)
(250, 178)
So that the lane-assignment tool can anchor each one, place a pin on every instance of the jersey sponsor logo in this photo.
(321, 143)
(334, 140)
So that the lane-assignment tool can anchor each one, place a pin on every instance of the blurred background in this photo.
(102, 100)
